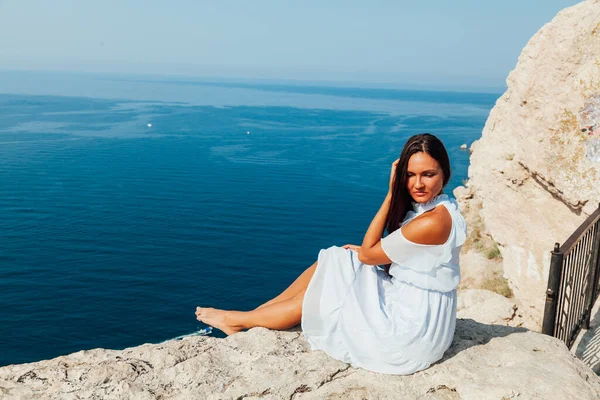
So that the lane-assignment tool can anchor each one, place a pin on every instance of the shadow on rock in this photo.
(471, 333)
(588, 348)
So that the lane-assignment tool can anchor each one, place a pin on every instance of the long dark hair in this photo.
(401, 198)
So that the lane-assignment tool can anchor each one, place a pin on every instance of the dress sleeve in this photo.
(421, 257)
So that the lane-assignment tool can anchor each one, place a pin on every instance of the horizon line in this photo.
(300, 82)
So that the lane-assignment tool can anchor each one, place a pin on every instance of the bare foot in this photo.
(220, 319)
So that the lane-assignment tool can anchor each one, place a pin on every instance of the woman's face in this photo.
(425, 178)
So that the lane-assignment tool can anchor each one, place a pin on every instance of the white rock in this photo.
(484, 362)
(529, 169)
(492, 308)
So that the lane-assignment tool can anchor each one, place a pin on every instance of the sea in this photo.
(126, 201)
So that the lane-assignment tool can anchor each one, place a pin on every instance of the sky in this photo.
(434, 42)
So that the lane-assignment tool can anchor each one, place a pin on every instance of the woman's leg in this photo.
(281, 315)
(299, 285)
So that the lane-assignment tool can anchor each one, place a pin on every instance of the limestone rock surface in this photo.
(484, 362)
(587, 345)
(532, 171)
(492, 308)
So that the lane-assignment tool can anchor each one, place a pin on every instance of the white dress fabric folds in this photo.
(401, 324)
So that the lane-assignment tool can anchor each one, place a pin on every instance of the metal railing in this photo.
(573, 282)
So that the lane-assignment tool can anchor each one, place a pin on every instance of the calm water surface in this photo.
(114, 231)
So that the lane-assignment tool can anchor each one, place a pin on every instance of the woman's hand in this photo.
(393, 174)
(352, 247)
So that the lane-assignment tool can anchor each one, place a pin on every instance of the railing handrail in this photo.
(573, 282)
(554, 278)
(572, 240)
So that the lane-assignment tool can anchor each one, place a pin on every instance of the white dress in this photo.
(401, 324)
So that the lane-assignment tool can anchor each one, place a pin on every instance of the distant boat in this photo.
(149, 125)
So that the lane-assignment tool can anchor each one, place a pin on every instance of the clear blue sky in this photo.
(418, 42)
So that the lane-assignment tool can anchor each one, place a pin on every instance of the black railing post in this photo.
(552, 291)
(594, 274)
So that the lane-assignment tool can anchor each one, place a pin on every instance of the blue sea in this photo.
(127, 201)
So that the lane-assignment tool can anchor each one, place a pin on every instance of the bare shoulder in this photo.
(433, 227)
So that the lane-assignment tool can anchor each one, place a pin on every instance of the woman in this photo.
(396, 320)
